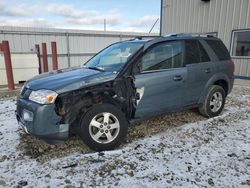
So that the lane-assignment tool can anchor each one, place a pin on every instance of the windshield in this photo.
(114, 57)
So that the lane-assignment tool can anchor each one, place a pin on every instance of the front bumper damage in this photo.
(41, 121)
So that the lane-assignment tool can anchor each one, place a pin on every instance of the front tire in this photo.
(214, 102)
(103, 127)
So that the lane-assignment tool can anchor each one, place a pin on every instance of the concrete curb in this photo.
(241, 82)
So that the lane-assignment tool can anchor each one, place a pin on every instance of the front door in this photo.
(161, 83)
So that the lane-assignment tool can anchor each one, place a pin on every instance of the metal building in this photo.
(74, 47)
(228, 19)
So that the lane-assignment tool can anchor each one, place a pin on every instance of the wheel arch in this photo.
(72, 104)
(219, 79)
(224, 84)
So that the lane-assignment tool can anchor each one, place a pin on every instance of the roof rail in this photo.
(136, 38)
(190, 34)
(142, 38)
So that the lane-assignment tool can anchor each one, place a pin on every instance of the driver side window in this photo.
(163, 56)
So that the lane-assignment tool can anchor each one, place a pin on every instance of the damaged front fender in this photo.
(72, 105)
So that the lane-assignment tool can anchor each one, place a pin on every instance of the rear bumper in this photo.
(44, 123)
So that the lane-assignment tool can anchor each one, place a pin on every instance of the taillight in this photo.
(233, 65)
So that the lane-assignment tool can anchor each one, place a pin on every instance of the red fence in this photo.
(45, 57)
(5, 49)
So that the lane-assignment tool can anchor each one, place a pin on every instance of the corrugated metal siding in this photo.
(221, 16)
(80, 45)
(244, 68)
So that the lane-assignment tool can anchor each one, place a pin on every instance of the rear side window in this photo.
(195, 53)
(219, 49)
(192, 52)
(203, 54)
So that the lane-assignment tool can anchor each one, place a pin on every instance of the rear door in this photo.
(161, 83)
(223, 59)
(200, 68)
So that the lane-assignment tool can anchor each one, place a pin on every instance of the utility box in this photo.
(25, 66)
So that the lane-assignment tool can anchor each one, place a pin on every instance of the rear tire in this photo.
(103, 127)
(214, 102)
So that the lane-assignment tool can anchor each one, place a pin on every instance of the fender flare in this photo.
(216, 77)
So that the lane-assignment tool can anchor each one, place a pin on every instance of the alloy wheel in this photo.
(104, 127)
(216, 102)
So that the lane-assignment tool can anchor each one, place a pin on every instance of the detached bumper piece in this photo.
(41, 121)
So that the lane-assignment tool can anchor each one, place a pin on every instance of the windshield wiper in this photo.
(95, 68)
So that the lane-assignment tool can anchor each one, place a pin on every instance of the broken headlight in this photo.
(43, 96)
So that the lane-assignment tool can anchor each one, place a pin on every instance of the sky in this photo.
(129, 15)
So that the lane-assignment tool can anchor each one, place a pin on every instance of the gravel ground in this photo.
(179, 149)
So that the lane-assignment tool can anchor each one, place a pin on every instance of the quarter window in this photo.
(163, 56)
(241, 43)
(219, 49)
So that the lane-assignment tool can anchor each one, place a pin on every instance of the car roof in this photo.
(180, 36)
(172, 36)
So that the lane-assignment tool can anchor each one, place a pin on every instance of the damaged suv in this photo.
(127, 81)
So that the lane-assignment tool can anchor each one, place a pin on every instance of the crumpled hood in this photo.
(69, 79)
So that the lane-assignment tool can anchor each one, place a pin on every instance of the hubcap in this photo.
(216, 102)
(104, 127)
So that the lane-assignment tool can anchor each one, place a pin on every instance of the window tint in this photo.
(241, 43)
(192, 52)
(219, 49)
(203, 54)
(195, 53)
(163, 56)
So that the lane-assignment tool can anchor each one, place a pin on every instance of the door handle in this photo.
(177, 78)
(207, 70)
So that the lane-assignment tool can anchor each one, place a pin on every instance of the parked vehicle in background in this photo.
(127, 81)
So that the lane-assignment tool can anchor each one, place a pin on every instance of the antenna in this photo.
(153, 25)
